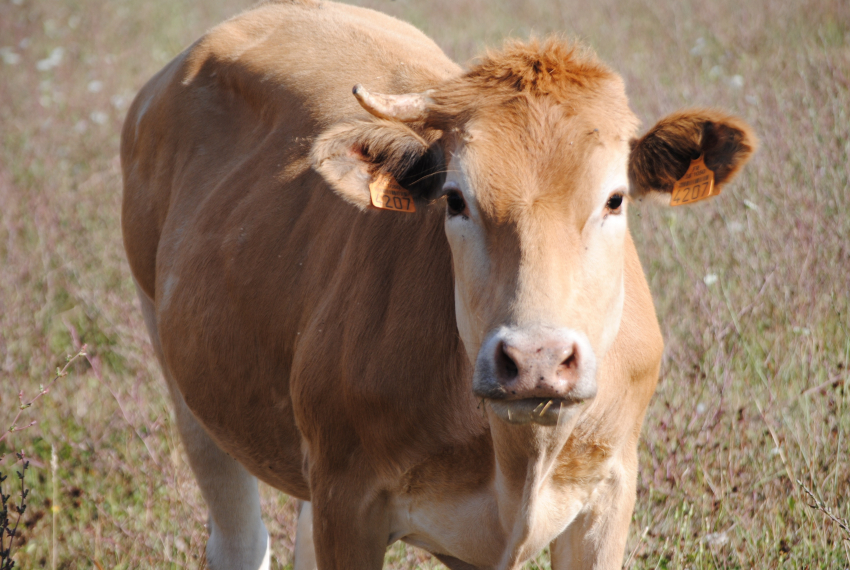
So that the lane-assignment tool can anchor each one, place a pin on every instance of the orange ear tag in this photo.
(697, 184)
(387, 194)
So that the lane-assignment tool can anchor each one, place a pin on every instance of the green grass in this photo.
(754, 386)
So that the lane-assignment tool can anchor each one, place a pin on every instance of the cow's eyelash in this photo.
(614, 204)
(455, 204)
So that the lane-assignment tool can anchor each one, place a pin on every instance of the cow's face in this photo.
(532, 152)
(536, 221)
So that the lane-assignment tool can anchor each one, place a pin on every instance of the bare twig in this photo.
(54, 507)
(833, 382)
(776, 443)
(42, 391)
(6, 531)
(822, 507)
(96, 368)
(634, 551)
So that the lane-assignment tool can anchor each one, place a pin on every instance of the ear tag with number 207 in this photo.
(388, 194)
(697, 184)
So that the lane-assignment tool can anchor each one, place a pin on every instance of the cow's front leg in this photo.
(596, 539)
(305, 550)
(350, 525)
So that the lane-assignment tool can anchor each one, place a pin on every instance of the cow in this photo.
(417, 307)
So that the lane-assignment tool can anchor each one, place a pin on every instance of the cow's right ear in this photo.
(350, 156)
(662, 156)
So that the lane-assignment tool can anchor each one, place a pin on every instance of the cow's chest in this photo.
(470, 525)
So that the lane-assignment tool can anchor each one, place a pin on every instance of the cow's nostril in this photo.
(506, 365)
(571, 362)
(518, 365)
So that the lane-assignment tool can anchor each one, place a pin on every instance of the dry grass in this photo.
(751, 289)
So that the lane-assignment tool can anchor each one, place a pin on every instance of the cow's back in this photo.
(277, 73)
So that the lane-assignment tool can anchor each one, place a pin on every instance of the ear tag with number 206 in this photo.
(388, 194)
(697, 184)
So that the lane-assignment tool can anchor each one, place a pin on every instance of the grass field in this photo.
(751, 288)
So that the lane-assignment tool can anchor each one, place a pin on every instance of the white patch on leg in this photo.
(249, 549)
(305, 551)
(238, 538)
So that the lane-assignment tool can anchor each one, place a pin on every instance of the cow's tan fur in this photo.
(329, 349)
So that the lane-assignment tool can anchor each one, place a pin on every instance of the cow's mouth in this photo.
(542, 411)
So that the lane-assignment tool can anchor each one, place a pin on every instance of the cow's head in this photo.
(533, 153)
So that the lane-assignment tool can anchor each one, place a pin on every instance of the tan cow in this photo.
(470, 378)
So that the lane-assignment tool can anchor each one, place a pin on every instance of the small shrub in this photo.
(7, 531)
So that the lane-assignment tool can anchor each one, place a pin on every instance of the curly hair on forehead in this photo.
(563, 71)
(541, 68)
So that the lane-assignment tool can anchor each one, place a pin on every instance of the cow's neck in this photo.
(526, 457)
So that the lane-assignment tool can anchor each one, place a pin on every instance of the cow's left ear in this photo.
(352, 156)
(664, 154)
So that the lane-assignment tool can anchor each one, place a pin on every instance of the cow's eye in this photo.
(615, 203)
(455, 203)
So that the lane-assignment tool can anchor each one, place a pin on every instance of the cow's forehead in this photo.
(547, 159)
(541, 124)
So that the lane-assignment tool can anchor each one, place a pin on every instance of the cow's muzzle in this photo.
(535, 374)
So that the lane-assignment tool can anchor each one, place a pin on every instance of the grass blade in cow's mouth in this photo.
(542, 411)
